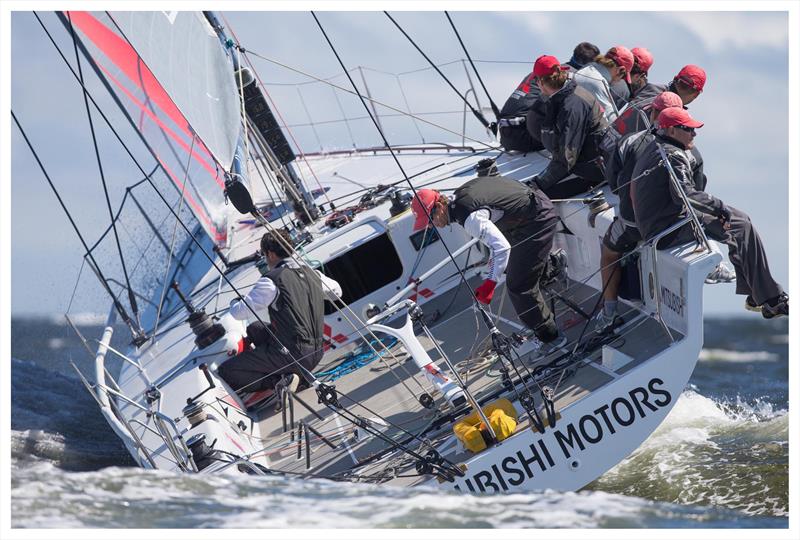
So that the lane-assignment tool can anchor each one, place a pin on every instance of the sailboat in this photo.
(413, 367)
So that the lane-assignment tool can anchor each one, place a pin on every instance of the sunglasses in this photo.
(687, 129)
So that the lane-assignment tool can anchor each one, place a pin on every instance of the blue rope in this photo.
(358, 358)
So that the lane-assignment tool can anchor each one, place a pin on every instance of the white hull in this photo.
(579, 448)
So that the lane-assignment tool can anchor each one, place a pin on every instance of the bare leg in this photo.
(609, 264)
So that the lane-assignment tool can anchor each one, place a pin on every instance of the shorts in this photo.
(620, 237)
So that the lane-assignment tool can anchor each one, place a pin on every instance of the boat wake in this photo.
(731, 454)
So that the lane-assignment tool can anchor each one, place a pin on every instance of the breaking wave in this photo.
(44, 496)
(54, 418)
(731, 454)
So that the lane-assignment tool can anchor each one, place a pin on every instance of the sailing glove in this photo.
(485, 292)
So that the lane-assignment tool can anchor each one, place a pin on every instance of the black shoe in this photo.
(776, 307)
(750, 305)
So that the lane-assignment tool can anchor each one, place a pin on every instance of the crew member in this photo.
(688, 84)
(515, 133)
(657, 205)
(582, 54)
(607, 69)
(572, 127)
(293, 296)
(517, 224)
(622, 235)
(623, 92)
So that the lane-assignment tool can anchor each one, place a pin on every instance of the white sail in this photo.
(174, 78)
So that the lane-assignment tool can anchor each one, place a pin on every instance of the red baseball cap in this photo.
(643, 58)
(677, 116)
(547, 65)
(665, 100)
(692, 75)
(623, 58)
(422, 205)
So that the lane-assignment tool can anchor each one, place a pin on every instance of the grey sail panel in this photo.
(185, 55)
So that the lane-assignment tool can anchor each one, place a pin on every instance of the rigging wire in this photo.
(165, 285)
(477, 113)
(161, 197)
(96, 267)
(491, 101)
(131, 296)
(388, 146)
(274, 107)
(395, 109)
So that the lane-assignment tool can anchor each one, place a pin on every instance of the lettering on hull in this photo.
(568, 441)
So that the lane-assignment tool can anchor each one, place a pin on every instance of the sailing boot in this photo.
(776, 307)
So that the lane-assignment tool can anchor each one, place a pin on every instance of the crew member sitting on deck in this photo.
(515, 134)
(623, 92)
(517, 224)
(571, 129)
(607, 69)
(293, 296)
(622, 235)
(688, 84)
(657, 205)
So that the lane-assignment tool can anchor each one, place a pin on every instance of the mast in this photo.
(267, 133)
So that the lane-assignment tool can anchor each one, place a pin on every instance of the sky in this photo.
(744, 107)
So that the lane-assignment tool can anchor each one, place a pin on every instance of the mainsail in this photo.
(175, 80)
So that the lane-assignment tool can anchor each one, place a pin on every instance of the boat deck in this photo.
(389, 387)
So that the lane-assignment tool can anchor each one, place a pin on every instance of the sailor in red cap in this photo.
(515, 132)
(517, 224)
(606, 70)
(622, 91)
(688, 84)
(622, 235)
(570, 125)
(642, 62)
(657, 205)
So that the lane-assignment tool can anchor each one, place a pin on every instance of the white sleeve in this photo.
(259, 298)
(330, 287)
(479, 225)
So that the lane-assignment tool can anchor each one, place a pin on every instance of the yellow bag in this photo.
(470, 430)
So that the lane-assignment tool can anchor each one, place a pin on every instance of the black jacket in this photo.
(522, 99)
(630, 120)
(619, 168)
(572, 126)
(297, 314)
(656, 203)
(514, 134)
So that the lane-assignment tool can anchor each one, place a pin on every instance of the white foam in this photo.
(125, 496)
(695, 457)
(724, 355)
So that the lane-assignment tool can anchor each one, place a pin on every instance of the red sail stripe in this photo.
(207, 166)
(126, 59)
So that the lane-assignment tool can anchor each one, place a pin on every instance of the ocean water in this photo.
(719, 460)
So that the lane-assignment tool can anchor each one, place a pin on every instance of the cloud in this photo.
(718, 30)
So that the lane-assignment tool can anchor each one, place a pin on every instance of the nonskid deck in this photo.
(389, 388)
